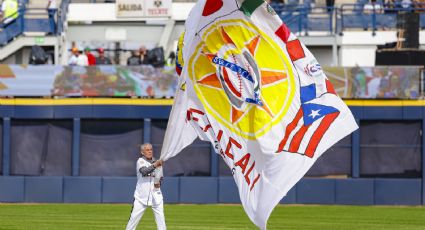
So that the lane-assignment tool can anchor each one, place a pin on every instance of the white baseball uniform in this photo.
(147, 195)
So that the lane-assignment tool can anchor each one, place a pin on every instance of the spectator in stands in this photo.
(74, 58)
(52, 9)
(82, 59)
(373, 7)
(143, 55)
(171, 60)
(78, 58)
(390, 6)
(90, 57)
(101, 59)
(134, 60)
(420, 5)
(10, 9)
(407, 4)
(51, 5)
(330, 4)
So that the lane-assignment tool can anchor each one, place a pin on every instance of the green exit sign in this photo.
(39, 40)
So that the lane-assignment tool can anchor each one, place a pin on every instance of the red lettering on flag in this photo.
(229, 146)
(247, 173)
(219, 135)
(254, 182)
(189, 114)
(207, 127)
(319, 133)
(243, 162)
(295, 50)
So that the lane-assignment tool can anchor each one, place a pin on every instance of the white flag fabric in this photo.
(253, 90)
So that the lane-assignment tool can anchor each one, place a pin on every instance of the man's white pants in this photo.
(137, 213)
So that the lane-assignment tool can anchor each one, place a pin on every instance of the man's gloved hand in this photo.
(157, 163)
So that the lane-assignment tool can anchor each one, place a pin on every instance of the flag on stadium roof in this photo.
(253, 90)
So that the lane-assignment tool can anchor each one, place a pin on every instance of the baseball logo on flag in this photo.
(244, 72)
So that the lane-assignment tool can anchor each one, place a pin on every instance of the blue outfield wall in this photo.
(202, 190)
(77, 189)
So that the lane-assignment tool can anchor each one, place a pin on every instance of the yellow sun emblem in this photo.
(242, 77)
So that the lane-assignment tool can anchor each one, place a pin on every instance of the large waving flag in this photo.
(252, 89)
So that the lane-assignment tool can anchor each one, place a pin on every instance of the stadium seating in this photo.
(306, 17)
(33, 19)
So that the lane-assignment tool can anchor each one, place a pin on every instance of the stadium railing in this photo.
(304, 18)
(378, 17)
(29, 20)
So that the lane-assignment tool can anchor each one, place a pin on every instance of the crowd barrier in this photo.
(390, 82)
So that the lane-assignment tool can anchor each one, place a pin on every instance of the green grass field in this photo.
(115, 216)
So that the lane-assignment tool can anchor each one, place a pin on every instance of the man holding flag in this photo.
(253, 90)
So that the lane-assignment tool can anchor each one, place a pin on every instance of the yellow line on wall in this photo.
(85, 101)
(385, 102)
(169, 102)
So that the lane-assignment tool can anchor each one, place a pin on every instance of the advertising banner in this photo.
(143, 8)
(381, 82)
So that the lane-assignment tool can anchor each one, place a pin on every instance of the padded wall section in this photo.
(118, 189)
(398, 192)
(1, 148)
(82, 190)
(11, 189)
(198, 190)
(43, 189)
(354, 191)
(171, 189)
(228, 191)
(291, 196)
(315, 191)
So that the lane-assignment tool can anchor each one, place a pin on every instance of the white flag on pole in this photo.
(253, 90)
